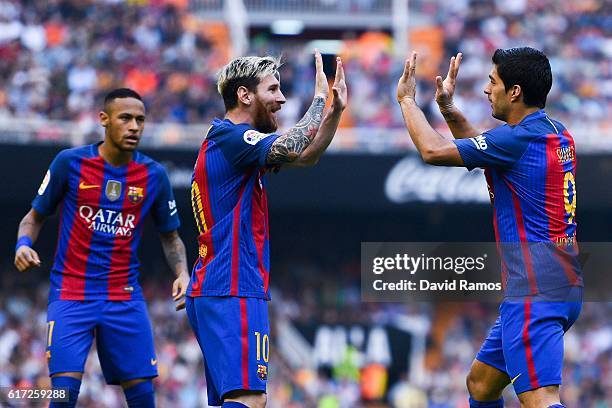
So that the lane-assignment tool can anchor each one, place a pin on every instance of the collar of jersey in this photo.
(532, 116)
(96, 153)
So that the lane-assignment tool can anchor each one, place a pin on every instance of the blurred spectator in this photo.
(587, 374)
(59, 58)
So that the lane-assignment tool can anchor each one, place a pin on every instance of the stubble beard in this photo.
(264, 120)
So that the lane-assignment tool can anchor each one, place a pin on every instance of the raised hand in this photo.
(321, 86)
(339, 87)
(446, 89)
(406, 86)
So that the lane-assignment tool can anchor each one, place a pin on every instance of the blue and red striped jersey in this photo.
(228, 196)
(102, 211)
(530, 170)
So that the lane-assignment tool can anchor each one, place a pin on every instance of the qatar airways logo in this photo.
(108, 221)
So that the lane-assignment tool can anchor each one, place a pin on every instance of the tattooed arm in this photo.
(290, 145)
(174, 250)
(29, 228)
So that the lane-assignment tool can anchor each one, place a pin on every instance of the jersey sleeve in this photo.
(53, 186)
(246, 147)
(164, 211)
(499, 147)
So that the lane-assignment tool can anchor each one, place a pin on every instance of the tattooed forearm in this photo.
(31, 225)
(290, 145)
(174, 250)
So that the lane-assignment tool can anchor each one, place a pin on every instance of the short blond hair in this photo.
(247, 72)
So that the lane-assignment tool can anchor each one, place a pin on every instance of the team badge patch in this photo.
(203, 251)
(262, 372)
(566, 154)
(252, 137)
(113, 190)
(135, 194)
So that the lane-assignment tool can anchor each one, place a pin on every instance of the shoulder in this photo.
(539, 127)
(73, 153)
(223, 131)
(220, 129)
(152, 165)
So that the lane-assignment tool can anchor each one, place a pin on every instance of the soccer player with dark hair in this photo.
(104, 191)
(530, 169)
(229, 288)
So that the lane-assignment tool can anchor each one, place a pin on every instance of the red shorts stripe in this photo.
(533, 379)
(244, 333)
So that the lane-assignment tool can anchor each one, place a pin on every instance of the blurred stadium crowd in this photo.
(57, 58)
(588, 359)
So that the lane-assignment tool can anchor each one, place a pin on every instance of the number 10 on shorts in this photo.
(263, 347)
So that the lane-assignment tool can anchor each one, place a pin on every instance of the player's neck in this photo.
(113, 156)
(239, 116)
(516, 116)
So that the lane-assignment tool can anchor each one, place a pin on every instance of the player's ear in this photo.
(244, 95)
(515, 93)
(104, 118)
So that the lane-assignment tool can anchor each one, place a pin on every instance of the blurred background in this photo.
(59, 58)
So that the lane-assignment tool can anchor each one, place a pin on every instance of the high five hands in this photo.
(445, 89)
(339, 88)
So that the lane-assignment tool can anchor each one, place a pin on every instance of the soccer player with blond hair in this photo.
(230, 282)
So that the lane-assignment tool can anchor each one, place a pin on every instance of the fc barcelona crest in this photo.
(135, 194)
(113, 190)
(262, 372)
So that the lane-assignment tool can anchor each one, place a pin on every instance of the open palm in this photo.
(446, 89)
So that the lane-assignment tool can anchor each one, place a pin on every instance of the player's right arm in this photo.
(458, 124)
(50, 193)
(290, 145)
(29, 228)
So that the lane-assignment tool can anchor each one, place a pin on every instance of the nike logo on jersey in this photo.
(84, 186)
(153, 361)
(515, 378)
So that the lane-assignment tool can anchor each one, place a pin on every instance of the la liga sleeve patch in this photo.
(252, 137)
(45, 183)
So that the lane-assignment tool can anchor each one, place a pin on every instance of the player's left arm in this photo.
(431, 145)
(174, 251)
(290, 145)
(311, 155)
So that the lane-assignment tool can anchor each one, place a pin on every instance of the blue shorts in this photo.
(526, 341)
(234, 335)
(123, 338)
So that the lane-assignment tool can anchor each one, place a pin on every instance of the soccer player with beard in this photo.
(530, 169)
(229, 288)
(104, 192)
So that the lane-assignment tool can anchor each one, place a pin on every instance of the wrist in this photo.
(407, 100)
(23, 241)
(446, 108)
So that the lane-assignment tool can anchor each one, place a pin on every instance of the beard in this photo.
(264, 121)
